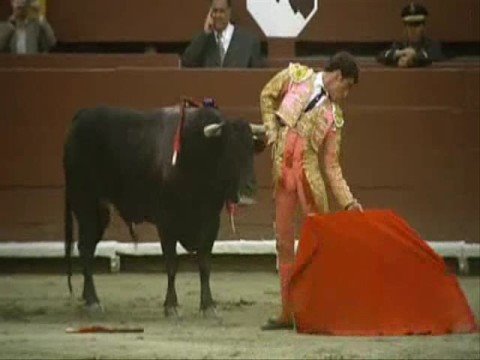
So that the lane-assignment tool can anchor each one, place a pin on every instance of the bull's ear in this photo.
(213, 130)
(257, 129)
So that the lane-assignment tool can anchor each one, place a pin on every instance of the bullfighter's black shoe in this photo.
(276, 324)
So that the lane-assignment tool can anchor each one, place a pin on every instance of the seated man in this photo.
(27, 31)
(222, 44)
(417, 49)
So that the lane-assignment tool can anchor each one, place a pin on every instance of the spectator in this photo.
(27, 31)
(417, 49)
(222, 44)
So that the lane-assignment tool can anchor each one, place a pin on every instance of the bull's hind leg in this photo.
(92, 223)
(169, 249)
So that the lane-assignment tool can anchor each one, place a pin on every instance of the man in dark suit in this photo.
(222, 44)
(417, 49)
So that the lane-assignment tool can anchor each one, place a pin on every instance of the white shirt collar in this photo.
(226, 35)
(318, 85)
(319, 82)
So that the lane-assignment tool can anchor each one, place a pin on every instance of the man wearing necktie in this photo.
(223, 44)
(303, 124)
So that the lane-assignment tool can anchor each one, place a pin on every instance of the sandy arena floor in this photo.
(35, 310)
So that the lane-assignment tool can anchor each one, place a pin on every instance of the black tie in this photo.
(315, 100)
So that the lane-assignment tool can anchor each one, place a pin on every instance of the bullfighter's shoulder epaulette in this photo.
(298, 72)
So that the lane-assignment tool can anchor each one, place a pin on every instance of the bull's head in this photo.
(246, 170)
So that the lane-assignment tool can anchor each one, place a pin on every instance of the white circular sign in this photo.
(280, 18)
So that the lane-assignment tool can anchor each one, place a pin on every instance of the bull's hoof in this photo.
(94, 309)
(211, 313)
(171, 312)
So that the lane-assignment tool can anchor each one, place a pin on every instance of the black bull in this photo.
(124, 158)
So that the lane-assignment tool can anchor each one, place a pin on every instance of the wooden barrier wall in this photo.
(88, 60)
(179, 20)
(411, 142)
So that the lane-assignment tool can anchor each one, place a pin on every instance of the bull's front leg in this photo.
(169, 248)
(206, 301)
(207, 305)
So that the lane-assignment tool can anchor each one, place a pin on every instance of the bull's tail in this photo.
(68, 223)
(133, 233)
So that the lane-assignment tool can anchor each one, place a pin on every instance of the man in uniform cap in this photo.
(416, 49)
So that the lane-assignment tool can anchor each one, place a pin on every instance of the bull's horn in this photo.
(257, 129)
(213, 130)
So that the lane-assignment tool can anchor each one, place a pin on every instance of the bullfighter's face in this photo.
(340, 87)
(220, 12)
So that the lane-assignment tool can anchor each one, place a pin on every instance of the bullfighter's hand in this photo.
(355, 207)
